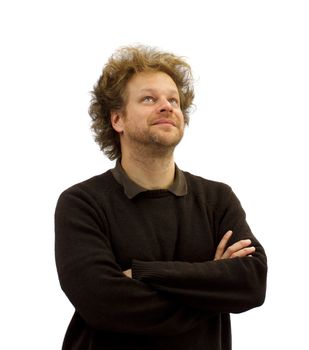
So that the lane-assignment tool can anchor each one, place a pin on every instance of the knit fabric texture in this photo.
(179, 298)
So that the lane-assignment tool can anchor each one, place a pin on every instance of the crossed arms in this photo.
(237, 250)
(163, 297)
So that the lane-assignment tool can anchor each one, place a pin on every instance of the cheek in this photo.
(181, 118)
(136, 122)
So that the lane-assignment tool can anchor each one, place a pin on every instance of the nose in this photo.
(165, 106)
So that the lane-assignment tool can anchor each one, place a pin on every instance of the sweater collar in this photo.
(178, 188)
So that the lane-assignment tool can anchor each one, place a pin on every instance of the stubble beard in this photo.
(154, 143)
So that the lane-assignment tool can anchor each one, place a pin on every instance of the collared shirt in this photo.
(132, 189)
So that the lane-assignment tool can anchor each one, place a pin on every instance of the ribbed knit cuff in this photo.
(146, 270)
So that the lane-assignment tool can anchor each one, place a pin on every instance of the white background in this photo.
(250, 60)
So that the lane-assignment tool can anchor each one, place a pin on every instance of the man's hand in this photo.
(236, 250)
(128, 273)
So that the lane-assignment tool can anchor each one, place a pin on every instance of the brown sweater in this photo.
(179, 298)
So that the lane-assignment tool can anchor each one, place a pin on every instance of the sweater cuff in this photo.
(146, 270)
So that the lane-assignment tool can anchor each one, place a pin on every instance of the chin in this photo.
(167, 138)
(166, 141)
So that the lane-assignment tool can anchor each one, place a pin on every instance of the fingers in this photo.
(128, 273)
(237, 250)
(222, 245)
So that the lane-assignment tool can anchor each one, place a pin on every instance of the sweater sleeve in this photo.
(228, 285)
(94, 282)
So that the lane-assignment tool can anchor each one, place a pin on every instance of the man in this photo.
(152, 257)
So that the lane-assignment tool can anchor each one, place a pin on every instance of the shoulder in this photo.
(98, 186)
(214, 193)
(205, 185)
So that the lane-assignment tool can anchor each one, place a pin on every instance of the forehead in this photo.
(151, 81)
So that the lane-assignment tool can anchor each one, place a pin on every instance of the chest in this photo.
(160, 229)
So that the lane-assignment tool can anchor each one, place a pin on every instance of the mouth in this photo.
(164, 122)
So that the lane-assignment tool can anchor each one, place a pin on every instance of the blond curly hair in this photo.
(108, 93)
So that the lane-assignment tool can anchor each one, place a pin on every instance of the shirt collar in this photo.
(132, 189)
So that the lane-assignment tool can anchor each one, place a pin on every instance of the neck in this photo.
(150, 171)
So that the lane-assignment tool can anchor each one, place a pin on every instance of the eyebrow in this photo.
(173, 91)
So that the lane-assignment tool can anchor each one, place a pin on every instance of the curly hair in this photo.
(109, 92)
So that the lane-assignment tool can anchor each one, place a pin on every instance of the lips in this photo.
(164, 121)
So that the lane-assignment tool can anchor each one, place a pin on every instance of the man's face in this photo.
(152, 115)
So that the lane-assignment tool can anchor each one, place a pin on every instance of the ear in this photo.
(117, 121)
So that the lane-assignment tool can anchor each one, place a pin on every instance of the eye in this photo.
(148, 99)
(174, 101)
